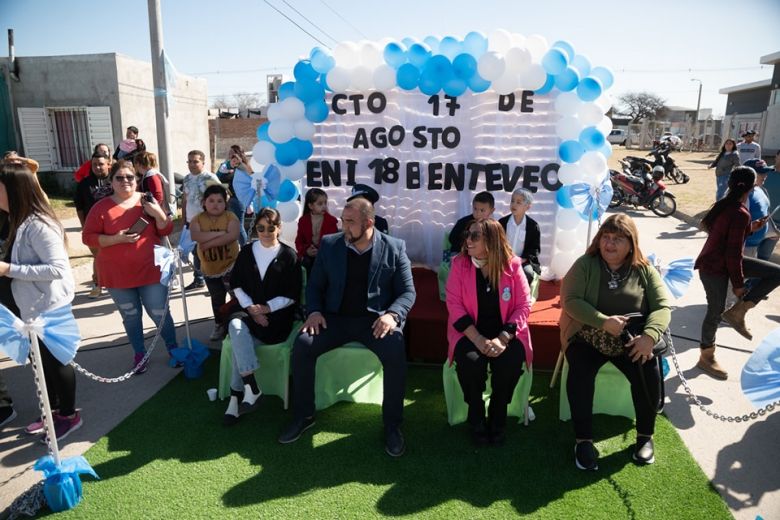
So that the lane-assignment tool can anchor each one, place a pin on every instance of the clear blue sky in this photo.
(654, 46)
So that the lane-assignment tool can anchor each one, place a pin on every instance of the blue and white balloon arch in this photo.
(503, 61)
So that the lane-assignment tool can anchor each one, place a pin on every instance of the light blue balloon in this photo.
(286, 89)
(548, 85)
(464, 66)
(322, 62)
(265, 202)
(591, 138)
(571, 151)
(606, 150)
(475, 43)
(567, 80)
(304, 148)
(563, 197)
(565, 47)
(315, 50)
(304, 71)
(430, 83)
(450, 47)
(262, 132)
(408, 41)
(394, 55)
(604, 75)
(455, 87)
(287, 191)
(440, 67)
(286, 153)
(478, 84)
(589, 89)
(554, 61)
(582, 65)
(433, 43)
(418, 54)
(308, 90)
(316, 111)
(407, 76)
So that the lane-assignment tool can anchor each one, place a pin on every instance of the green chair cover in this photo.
(349, 373)
(457, 409)
(612, 395)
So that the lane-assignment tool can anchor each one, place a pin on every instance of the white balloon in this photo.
(605, 125)
(384, 77)
(338, 79)
(537, 46)
(594, 165)
(570, 173)
(491, 66)
(567, 240)
(256, 166)
(500, 40)
(303, 129)
(567, 103)
(533, 77)
(289, 211)
(292, 108)
(590, 114)
(371, 55)
(566, 219)
(281, 130)
(347, 55)
(362, 79)
(517, 59)
(275, 111)
(568, 128)
(264, 152)
(562, 262)
(288, 234)
(294, 172)
(605, 101)
(518, 40)
(506, 84)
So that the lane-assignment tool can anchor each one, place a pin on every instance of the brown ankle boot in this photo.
(735, 317)
(709, 365)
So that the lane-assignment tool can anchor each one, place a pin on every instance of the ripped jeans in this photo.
(152, 297)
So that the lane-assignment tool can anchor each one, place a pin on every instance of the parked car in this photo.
(618, 136)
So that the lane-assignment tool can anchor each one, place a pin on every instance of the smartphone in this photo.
(138, 227)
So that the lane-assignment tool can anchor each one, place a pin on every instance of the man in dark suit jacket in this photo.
(521, 224)
(360, 290)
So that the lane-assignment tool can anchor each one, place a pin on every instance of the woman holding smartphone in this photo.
(126, 227)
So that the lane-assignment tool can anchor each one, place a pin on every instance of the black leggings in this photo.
(584, 363)
(60, 382)
(218, 291)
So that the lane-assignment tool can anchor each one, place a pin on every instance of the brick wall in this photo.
(223, 133)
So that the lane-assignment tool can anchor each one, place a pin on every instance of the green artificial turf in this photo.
(172, 458)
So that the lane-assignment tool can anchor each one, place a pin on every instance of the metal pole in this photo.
(698, 107)
(160, 99)
(47, 415)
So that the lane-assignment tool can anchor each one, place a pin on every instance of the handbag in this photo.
(634, 327)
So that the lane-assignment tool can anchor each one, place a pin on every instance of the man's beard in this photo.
(363, 229)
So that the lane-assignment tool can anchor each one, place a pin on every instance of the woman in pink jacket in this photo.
(488, 301)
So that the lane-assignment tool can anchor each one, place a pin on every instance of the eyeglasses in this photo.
(474, 236)
(262, 229)
(617, 240)
(123, 178)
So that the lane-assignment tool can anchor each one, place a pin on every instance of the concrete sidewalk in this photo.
(740, 459)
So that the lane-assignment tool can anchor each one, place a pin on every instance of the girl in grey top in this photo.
(726, 160)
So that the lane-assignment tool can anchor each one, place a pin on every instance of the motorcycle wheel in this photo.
(617, 198)
(682, 177)
(663, 205)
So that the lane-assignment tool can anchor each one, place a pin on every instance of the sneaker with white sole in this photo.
(64, 426)
(644, 451)
(586, 456)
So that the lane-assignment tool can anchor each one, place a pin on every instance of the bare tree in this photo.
(245, 100)
(220, 102)
(641, 105)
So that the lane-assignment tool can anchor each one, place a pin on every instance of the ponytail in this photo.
(741, 181)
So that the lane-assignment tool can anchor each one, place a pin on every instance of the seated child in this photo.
(522, 232)
(482, 206)
(314, 224)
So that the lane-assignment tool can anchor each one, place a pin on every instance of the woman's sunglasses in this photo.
(262, 229)
(474, 236)
(122, 178)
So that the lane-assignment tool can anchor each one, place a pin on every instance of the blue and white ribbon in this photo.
(677, 275)
(165, 260)
(760, 377)
(591, 201)
(57, 328)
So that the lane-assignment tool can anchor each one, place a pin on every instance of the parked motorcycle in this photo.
(660, 153)
(646, 189)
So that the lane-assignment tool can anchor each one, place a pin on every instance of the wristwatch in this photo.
(395, 317)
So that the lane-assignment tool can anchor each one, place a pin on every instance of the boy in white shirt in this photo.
(193, 187)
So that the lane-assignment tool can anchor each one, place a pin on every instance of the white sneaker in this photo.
(175, 285)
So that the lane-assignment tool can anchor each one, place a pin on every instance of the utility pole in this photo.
(160, 85)
(698, 104)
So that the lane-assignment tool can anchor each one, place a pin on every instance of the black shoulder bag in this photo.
(635, 327)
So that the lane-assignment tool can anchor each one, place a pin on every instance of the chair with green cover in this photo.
(612, 395)
(444, 267)
(349, 373)
(457, 409)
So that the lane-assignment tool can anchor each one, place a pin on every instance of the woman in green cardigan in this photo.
(612, 279)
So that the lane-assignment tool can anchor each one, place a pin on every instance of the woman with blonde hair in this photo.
(488, 302)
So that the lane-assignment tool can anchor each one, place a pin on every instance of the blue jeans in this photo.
(238, 210)
(152, 297)
(244, 357)
(722, 182)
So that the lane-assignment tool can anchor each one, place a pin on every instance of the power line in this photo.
(655, 71)
(312, 23)
(344, 19)
(238, 71)
(295, 24)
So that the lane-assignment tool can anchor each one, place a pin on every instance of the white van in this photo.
(618, 136)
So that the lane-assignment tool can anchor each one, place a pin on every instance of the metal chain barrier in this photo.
(131, 373)
(725, 418)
